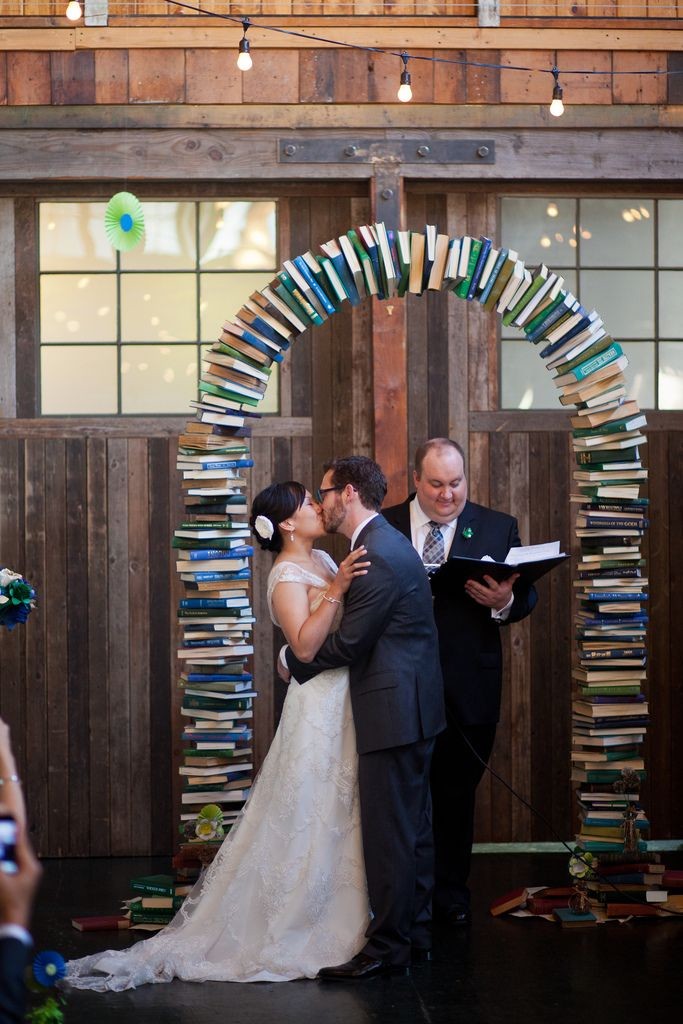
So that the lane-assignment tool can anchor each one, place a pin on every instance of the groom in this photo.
(388, 639)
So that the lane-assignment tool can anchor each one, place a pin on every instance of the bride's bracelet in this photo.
(331, 600)
(9, 778)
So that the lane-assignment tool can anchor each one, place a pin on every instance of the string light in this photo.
(73, 10)
(405, 93)
(557, 106)
(244, 61)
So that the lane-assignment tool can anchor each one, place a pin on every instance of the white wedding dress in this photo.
(286, 893)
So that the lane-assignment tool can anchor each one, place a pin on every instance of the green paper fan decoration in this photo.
(124, 221)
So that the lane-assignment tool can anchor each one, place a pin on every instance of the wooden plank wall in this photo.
(186, 75)
(88, 511)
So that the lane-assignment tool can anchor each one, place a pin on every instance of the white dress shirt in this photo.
(420, 527)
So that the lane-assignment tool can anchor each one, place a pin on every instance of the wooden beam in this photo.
(8, 395)
(552, 153)
(389, 362)
(340, 116)
(143, 426)
(386, 37)
(211, 33)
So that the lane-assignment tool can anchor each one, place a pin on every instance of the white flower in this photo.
(3, 599)
(6, 577)
(264, 527)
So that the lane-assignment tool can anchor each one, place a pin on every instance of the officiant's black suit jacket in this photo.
(388, 639)
(13, 956)
(469, 637)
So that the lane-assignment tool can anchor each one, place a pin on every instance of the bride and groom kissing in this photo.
(328, 872)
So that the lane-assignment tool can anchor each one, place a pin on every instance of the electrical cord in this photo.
(627, 896)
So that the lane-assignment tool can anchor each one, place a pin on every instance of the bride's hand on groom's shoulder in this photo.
(355, 564)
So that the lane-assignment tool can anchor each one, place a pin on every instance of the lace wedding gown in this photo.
(286, 892)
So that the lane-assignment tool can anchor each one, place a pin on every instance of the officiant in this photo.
(442, 523)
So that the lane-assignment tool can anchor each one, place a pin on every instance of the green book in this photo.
(287, 291)
(589, 353)
(206, 704)
(232, 396)
(537, 283)
(501, 281)
(538, 319)
(462, 288)
(158, 885)
(608, 691)
(371, 282)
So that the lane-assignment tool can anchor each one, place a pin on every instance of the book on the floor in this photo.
(101, 923)
(509, 901)
(530, 562)
(569, 919)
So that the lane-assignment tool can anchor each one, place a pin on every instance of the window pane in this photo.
(78, 379)
(170, 239)
(670, 303)
(671, 375)
(542, 230)
(158, 378)
(624, 299)
(640, 372)
(525, 382)
(221, 297)
(72, 237)
(158, 307)
(617, 232)
(670, 232)
(237, 236)
(77, 307)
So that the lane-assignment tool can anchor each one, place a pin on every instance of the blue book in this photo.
(213, 642)
(502, 256)
(229, 464)
(613, 595)
(216, 577)
(322, 296)
(585, 321)
(567, 305)
(218, 677)
(265, 328)
(215, 602)
(199, 554)
(479, 265)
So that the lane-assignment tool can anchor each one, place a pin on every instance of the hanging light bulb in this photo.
(557, 106)
(244, 61)
(405, 93)
(73, 10)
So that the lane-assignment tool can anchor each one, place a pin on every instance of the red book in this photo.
(510, 901)
(100, 923)
(630, 869)
(672, 879)
(632, 910)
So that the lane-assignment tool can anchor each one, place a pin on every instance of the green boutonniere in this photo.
(468, 532)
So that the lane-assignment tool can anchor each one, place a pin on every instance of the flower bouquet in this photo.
(17, 598)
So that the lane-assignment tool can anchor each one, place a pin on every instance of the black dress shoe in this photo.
(420, 955)
(360, 966)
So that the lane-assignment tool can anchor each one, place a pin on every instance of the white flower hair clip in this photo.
(264, 527)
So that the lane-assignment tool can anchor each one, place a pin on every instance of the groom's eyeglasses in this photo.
(322, 491)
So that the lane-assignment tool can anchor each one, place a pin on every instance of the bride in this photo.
(286, 893)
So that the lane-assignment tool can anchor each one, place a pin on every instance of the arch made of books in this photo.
(609, 711)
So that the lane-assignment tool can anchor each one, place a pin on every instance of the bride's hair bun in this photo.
(272, 505)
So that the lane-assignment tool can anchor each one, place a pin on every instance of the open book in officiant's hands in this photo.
(531, 562)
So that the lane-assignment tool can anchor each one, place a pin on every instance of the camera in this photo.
(8, 839)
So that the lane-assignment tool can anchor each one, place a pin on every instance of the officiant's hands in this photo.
(491, 593)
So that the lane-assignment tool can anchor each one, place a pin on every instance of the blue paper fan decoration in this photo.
(124, 221)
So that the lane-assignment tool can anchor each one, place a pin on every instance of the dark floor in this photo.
(499, 970)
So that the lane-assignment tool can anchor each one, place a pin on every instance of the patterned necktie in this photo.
(433, 552)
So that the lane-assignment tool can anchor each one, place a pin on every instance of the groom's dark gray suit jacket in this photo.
(388, 639)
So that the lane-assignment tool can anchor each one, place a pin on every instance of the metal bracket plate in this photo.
(404, 151)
